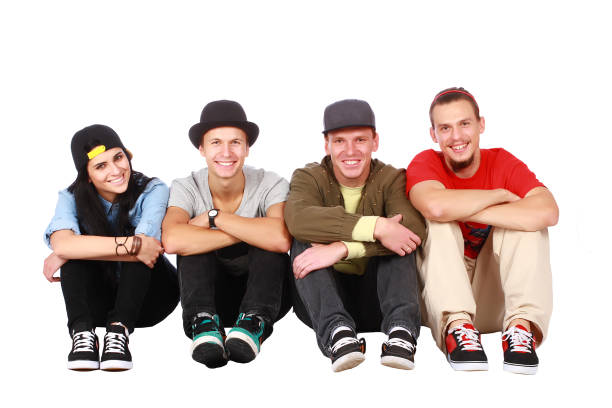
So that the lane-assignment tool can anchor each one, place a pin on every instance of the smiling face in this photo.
(110, 172)
(225, 149)
(457, 130)
(351, 153)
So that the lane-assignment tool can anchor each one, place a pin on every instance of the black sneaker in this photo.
(244, 340)
(346, 350)
(84, 355)
(208, 337)
(116, 354)
(519, 351)
(398, 351)
(464, 349)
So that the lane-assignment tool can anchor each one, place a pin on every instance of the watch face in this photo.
(213, 213)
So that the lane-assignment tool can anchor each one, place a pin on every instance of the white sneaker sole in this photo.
(348, 361)
(397, 362)
(468, 365)
(206, 339)
(520, 369)
(115, 365)
(83, 365)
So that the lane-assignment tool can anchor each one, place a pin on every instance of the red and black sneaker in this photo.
(464, 349)
(519, 351)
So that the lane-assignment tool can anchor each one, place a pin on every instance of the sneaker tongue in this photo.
(519, 326)
(469, 326)
(116, 328)
(401, 334)
(341, 329)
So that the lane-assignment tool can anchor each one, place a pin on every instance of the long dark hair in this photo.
(90, 211)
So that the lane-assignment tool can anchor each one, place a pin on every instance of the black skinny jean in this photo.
(237, 279)
(137, 296)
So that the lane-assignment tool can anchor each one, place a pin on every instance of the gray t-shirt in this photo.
(262, 189)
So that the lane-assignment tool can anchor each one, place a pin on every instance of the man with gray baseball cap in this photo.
(355, 236)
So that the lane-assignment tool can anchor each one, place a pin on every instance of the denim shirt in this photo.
(146, 215)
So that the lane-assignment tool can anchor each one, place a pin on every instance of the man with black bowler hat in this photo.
(225, 223)
(355, 236)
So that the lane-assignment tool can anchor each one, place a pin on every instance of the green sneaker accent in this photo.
(208, 345)
(251, 326)
(215, 332)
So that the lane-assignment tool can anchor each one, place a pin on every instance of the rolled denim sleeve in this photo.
(65, 217)
(153, 207)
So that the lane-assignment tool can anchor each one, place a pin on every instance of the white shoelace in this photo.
(468, 338)
(520, 340)
(343, 342)
(114, 343)
(84, 341)
(401, 343)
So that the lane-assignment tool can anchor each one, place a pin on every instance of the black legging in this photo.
(100, 292)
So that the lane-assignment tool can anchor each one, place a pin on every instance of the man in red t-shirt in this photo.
(485, 262)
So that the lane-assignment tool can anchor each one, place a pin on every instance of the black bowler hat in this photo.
(348, 113)
(92, 140)
(222, 113)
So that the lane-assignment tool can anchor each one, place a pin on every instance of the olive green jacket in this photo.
(315, 207)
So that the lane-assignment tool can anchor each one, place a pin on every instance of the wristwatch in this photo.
(211, 217)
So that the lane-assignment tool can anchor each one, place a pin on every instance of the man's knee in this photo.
(261, 255)
(437, 230)
(297, 247)
(407, 261)
(536, 241)
(192, 262)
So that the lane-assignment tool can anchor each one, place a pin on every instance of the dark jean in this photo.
(96, 294)
(237, 279)
(385, 296)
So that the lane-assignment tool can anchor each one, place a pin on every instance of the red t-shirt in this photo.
(498, 169)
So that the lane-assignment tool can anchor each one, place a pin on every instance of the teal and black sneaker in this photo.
(244, 340)
(208, 341)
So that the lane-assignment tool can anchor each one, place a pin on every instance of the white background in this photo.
(539, 70)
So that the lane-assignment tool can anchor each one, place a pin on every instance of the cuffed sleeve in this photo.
(65, 217)
(154, 203)
(355, 250)
(364, 229)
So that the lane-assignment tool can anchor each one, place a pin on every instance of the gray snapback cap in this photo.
(348, 113)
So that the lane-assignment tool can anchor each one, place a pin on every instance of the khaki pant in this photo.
(510, 279)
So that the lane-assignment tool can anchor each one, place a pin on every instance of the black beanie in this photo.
(87, 139)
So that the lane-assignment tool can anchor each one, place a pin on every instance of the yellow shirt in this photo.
(356, 263)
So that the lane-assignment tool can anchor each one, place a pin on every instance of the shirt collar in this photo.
(108, 206)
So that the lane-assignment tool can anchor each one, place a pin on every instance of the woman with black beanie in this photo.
(105, 237)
